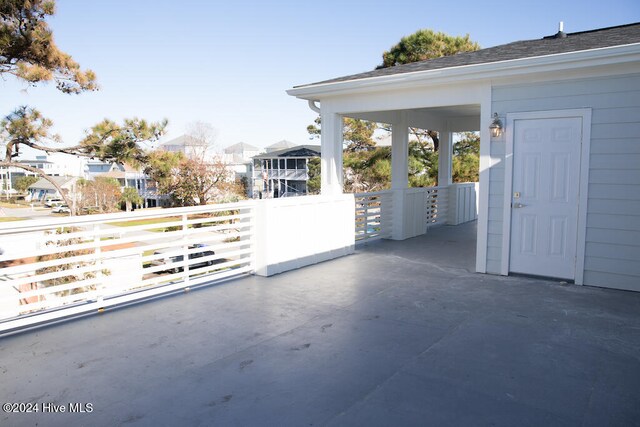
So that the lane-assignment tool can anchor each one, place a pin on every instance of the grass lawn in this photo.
(153, 221)
(134, 222)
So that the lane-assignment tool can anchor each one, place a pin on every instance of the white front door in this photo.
(545, 196)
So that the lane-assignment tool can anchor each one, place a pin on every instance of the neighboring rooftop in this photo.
(183, 141)
(296, 151)
(550, 45)
(113, 173)
(43, 184)
(280, 145)
(30, 161)
(240, 147)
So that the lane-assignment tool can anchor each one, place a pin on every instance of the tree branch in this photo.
(66, 150)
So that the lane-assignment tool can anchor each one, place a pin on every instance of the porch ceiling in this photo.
(454, 118)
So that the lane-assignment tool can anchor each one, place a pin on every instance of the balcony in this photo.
(288, 174)
(398, 333)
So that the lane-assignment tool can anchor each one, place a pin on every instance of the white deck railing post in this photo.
(404, 213)
(185, 250)
(97, 253)
(373, 215)
(462, 202)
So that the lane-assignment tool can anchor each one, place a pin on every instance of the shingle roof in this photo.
(240, 147)
(573, 42)
(184, 141)
(43, 184)
(35, 161)
(297, 151)
(280, 145)
(117, 174)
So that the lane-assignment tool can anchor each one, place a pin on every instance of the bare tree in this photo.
(202, 137)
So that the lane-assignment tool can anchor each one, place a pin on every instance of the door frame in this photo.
(585, 115)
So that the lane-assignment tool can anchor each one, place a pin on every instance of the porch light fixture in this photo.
(496, 126)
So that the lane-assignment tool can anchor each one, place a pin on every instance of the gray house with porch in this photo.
(559, 119)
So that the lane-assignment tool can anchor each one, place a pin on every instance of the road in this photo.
(27, 213)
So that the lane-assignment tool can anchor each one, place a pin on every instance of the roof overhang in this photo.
(478, 72)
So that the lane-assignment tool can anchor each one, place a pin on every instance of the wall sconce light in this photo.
(496, 126)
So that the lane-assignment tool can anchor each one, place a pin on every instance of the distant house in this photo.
(51, 165)
(280, 145)
(191, 147)
(43, 189)
(10, 175)
(126, 176)
(41, 163)
(95, 168)
(239, 158)
(282, 173)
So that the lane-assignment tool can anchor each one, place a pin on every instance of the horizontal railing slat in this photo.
(117, 258)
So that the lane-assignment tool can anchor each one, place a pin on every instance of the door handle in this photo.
(517, 205)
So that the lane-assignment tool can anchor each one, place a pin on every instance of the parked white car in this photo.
(51, 203)
(172, 257)
(61, 209)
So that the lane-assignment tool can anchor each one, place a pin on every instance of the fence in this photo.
(422, 208)
(373, 218)
(437, 206)
(65, 266)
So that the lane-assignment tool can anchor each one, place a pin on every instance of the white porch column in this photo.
(399, 173)
(445, 156)
(331, 156)
(400, 153)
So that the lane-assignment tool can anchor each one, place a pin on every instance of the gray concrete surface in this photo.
(399, 334)
(37, 212)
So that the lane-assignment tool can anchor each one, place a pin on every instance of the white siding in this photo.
(612, 253)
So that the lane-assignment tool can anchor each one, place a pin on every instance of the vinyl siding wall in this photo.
(612, 253)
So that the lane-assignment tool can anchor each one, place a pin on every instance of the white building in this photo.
(559, 119)
(56, 164)
(126, 176)
(42, 189)
(280, 145)
(282, 173)
(239, 159)
(191, 147)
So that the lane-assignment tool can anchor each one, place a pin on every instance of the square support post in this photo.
(445, 157)
(331, 157)
(399, 173)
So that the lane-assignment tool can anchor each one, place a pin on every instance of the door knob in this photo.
(518, 205)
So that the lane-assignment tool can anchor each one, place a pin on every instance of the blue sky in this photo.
(229, 63)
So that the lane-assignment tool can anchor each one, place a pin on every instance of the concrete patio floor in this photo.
(399, 334)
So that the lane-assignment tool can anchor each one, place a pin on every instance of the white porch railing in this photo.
(421, 208)
(60, 267)
(290, 174)
(463, 202)
(65, 266)
(437, 206)
(373, 215)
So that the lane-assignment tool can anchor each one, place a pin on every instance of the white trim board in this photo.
(484, 179)
(585, 115)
